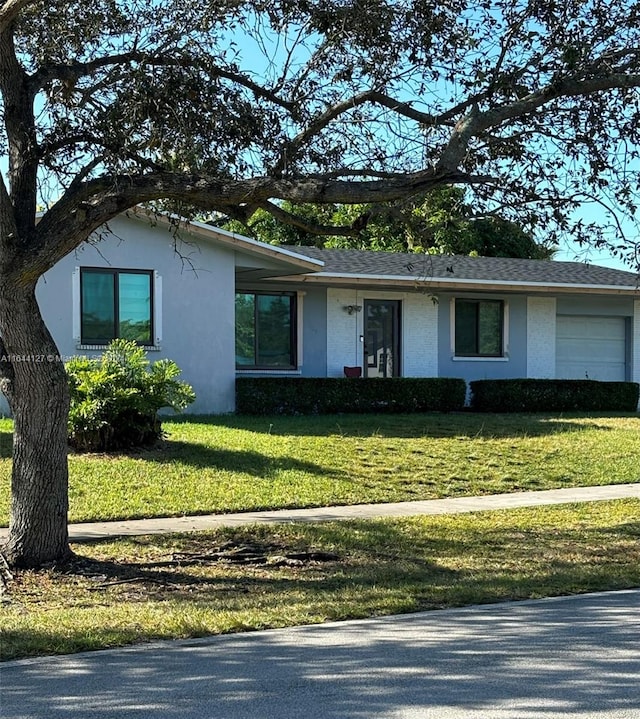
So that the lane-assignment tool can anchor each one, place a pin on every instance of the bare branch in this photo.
(324, 119)
(475, 122)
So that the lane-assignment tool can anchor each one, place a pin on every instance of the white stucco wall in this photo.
(198, 307)
(344, 347)
(541, 337)
(418, 336)
(635, 350)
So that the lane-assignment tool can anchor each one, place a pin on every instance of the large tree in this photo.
(233, 105)
(440, 222)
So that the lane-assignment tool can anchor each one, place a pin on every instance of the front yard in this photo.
(242, 463)
(124, 591)
(145, 588)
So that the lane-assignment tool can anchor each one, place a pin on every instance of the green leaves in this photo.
(115, 398)
(532, 106)
(436, 223)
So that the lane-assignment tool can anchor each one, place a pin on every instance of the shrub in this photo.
(115, 398)
(553, 395)
(322, 395)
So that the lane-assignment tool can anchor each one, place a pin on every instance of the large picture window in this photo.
(265, 330)
(116, 304)
(479, 328)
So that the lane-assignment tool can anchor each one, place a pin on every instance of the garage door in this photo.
(591, 348)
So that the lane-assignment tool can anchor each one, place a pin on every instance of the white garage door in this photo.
(591, 348)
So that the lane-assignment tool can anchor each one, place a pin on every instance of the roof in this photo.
(254, 259)
(395, 268)
(257, 260)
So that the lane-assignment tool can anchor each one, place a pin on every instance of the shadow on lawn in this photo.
(202, 584)
(202, 456)
(462, 425)
(6, 444)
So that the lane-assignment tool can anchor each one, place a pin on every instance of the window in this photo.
(265, 330)
(116, 304)
(479, 328)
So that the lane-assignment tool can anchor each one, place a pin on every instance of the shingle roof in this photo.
(363, 263)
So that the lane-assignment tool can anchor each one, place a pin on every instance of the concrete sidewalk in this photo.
(457, 505)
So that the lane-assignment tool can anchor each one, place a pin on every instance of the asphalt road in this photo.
(566, 658)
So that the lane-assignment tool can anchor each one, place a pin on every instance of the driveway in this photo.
(566, 658)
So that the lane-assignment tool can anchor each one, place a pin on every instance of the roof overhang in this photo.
(255, 260)
(435, 284)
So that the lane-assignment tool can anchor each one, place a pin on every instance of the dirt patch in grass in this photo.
(168, 574)
(238, 579)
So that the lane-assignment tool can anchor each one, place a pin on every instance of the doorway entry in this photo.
(382, 338)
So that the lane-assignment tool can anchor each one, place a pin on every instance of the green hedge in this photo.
(328, 395)
(553, 395)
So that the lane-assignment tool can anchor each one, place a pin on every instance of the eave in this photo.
(434, 284)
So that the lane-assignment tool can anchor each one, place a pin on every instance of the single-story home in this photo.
(222, 305)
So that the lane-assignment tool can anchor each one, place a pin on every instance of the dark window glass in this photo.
(479, 328)
(265, 330)
(116, 304)
(98, 306)
(466, 327)
(245, 330)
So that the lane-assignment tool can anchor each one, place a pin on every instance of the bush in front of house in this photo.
(115, 398)
(553, 395)
(329, 395)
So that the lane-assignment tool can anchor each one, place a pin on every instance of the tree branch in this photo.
(9, 11)
(73, 72)
(312, 228)
(331, 113)
(83, 208)
(20, 133)
(475, 122)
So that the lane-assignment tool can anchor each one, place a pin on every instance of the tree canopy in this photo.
(234, 106)
(229, 105)
(438, 223)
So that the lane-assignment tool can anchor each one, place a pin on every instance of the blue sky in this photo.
(567, 252)
(575, 253)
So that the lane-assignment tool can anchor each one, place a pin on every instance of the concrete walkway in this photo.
(564, 658)
(101, 530)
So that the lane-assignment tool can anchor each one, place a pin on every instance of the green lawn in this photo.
(236, 463)
(135, 590)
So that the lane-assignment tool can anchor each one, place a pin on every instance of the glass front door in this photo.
(382, 338)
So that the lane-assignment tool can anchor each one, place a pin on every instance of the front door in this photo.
(382, 338)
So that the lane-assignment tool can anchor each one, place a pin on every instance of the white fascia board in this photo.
(263, 248)
(447, 283)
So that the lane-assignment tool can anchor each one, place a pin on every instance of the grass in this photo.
(243, 463)
(137, 590)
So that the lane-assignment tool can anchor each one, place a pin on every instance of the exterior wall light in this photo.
(350, 309)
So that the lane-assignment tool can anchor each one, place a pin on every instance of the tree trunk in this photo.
(35, 383)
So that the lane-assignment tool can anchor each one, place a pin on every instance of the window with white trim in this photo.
(116, 304)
